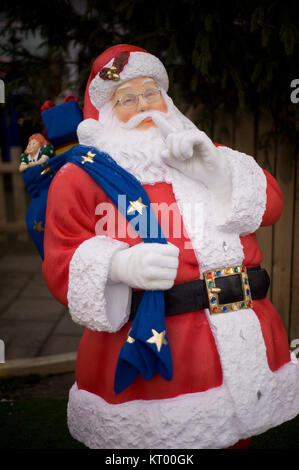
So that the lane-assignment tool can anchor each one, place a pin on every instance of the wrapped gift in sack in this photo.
(61, 123)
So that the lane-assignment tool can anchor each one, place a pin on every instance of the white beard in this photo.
(137, 151)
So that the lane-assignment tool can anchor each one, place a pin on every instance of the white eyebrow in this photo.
(148, 80)
(126, 85)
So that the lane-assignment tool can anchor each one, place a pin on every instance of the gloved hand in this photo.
(195, 155)
(148, 266)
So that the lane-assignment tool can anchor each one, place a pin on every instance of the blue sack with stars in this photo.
(37, 180)
(146, 350)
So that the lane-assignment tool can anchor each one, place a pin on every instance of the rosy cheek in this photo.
(161, 106)
(125, 114)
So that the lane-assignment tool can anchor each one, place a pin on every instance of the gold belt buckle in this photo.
(214, 291)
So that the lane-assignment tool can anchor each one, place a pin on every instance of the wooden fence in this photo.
(280, 243)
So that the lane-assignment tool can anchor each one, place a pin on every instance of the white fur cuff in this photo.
(91, 301)
(248, 201)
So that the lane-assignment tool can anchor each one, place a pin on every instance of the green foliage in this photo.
(232, 54)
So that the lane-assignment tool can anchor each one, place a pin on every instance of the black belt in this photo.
(236, 293)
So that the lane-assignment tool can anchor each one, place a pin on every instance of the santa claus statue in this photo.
(231, 374)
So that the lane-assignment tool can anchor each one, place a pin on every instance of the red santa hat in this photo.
(115, 66)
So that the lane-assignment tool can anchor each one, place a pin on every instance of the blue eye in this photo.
(128, 100)
(151, 93)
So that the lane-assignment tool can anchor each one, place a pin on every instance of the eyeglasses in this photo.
(130, 100)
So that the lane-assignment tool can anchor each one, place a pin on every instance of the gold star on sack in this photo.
(88, 157)
(38, 226)
(46, 169)
(158, 339)
(129, 338)
(136, 206)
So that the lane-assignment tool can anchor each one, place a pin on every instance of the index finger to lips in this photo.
(163, 124)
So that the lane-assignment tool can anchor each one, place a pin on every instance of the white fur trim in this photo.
(249, 184)
(93, 302)
(140, 64)
(205, 420)
(87, 132)
(238, 335)
(212, 247)
(259, 396)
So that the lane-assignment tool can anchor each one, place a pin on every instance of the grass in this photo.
(285, 436)
(35, 424)
(33, 413)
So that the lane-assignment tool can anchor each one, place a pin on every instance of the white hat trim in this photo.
(140, 64)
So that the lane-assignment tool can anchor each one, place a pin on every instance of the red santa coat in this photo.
(204, 404)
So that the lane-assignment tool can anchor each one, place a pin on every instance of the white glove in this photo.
(148, 266)
(195, 155)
